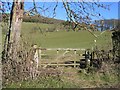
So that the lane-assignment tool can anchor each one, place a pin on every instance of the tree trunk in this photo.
(16, 21)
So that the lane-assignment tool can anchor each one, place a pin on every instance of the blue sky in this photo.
(112, 13)
(61, 14)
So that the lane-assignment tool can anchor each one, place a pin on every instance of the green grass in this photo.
(48, 82)
(71, 78)
(63, 39)
(34, 33)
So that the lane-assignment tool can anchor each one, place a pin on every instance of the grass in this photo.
(70, 78)
(63, 39)
(48, 82)
(34, 33)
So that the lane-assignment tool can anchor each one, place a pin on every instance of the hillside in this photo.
(108, 24)
(41, 19)
(36, 18)
(61, 38)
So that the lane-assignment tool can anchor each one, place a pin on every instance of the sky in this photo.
(61, 14)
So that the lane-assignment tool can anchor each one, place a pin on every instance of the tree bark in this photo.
(15, 26)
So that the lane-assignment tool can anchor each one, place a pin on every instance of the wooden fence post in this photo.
(36, 55)
(57, 54)
(40, 53)
(75, 52)
(75, 58)
(57, 51)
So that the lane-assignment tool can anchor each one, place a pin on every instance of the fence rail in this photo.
(65, 49)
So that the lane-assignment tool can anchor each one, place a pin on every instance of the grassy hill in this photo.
(56, 36)
(36, 34)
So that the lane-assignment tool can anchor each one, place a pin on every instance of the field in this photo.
(34, 33)
(67, 77)
(62, 39)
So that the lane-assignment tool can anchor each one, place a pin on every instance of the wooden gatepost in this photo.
(36, 55)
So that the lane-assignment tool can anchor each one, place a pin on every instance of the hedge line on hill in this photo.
(39, 19)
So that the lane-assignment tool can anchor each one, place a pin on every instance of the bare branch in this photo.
(54, 10)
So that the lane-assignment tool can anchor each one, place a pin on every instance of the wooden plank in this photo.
(60, 64)
(49, 61)
(71, 49)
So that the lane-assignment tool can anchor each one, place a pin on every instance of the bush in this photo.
(52, 29)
